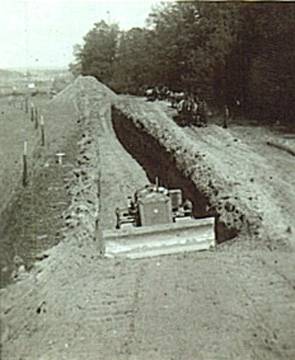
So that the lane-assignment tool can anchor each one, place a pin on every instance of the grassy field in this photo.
(31, 215)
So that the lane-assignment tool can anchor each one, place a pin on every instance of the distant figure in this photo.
(188, 207)
(202, 109)
(226, 116)
(237, 107)
(175, 98)
(163, 93)
(150, 94)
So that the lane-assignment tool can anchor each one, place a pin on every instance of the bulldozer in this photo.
(157, 221)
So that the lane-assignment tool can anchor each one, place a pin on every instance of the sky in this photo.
(41, 33)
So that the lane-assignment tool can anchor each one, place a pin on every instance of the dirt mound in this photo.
(81, 85)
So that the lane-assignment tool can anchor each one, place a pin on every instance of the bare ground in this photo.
(234, 303)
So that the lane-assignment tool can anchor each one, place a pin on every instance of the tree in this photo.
(97, 56)
(223, 51)
(133, 66)
(193, 41)
(76, 67)
(271, 71)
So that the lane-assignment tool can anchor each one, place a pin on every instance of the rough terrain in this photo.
(243, 186)
(234, 303)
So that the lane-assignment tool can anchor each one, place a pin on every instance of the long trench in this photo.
(157, 162)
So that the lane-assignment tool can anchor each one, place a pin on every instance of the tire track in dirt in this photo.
(121, 175)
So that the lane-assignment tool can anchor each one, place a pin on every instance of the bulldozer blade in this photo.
(139, 242)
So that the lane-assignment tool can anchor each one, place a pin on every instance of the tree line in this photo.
(222, 51)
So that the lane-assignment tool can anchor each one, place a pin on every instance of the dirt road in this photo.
(233, 303)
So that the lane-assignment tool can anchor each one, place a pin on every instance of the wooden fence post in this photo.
(36, 118)
(226, 116)
(26, 105)
(25, 165)
(42, 130)
(32, 112)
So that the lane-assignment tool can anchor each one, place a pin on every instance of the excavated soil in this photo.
(160, 162)
(217, 170)
(234, 303)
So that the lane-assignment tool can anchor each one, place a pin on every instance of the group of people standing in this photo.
(157, 93)
(192, 109)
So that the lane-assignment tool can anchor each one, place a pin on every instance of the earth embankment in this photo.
(234, 303)
(37, 215)
(222, 175)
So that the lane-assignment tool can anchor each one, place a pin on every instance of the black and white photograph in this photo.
(147, 180)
